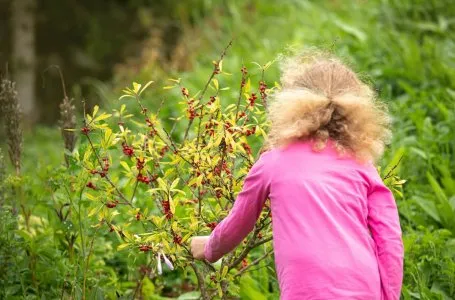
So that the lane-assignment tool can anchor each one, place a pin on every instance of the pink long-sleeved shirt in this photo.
(336, 232)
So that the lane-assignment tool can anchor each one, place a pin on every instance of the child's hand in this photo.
(198, 246)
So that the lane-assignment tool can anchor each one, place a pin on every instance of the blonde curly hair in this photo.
(321, 99)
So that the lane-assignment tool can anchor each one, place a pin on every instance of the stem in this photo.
(87, 263)
(107, 176)
(223, 54)
(139, 284)
(200, 281)
(255, 262)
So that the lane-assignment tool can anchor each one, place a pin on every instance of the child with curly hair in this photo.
(336, 231)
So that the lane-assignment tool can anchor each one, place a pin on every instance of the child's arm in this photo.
(385, 228)
(242, 218)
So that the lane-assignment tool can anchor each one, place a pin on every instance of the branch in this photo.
(107, 176)
(254, 263)
(223, 54)
(200, 281)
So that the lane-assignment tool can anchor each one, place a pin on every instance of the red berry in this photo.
(111, 204)
(140, 163)
(212, 225)
(145, 248)
(127, 150)
(138, 216)
(91, 185)
(244, 263)
(85, 130)
(143, 179)
(177, 239)
(247, 148)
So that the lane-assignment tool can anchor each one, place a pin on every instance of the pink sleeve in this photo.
(385, 228)
(242, 218)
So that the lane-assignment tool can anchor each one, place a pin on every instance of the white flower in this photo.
(168, 262)
(158, 264)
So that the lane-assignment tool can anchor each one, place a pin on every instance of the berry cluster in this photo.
(221, 167)
(247, 148)
(106, 164)
(185, 92)
(212, 100)
(90, 185)
(140, 162)
(262, 88)
(142, 178)
(216, 68)
(228, 127)
(244, 73)
(167, 209)
(191, 109)
(153, 131)
(177, 239)
(127, 150)
(252, 99)
(164, 150)
(251, 131)
(111, 204)
(210, 128)
(145, 248)
(85, 130)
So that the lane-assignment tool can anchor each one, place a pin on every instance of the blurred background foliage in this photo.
(405, 48)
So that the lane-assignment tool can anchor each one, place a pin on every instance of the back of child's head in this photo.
(321, 99)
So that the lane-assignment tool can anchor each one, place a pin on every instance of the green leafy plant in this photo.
(173, 185)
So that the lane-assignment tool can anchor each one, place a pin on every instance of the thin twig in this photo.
(87, 263)
(254, 263)
(223, 54)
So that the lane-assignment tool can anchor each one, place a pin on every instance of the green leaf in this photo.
(136, 87)
(428, 207)
(145, 86)
(125, 166)
(95, 110)
(125, 96)
(224, 272)
(122, 246)
(190, 296)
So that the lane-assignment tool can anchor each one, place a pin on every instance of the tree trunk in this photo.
(23, 54)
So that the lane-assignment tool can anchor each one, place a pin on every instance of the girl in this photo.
(336, 232)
